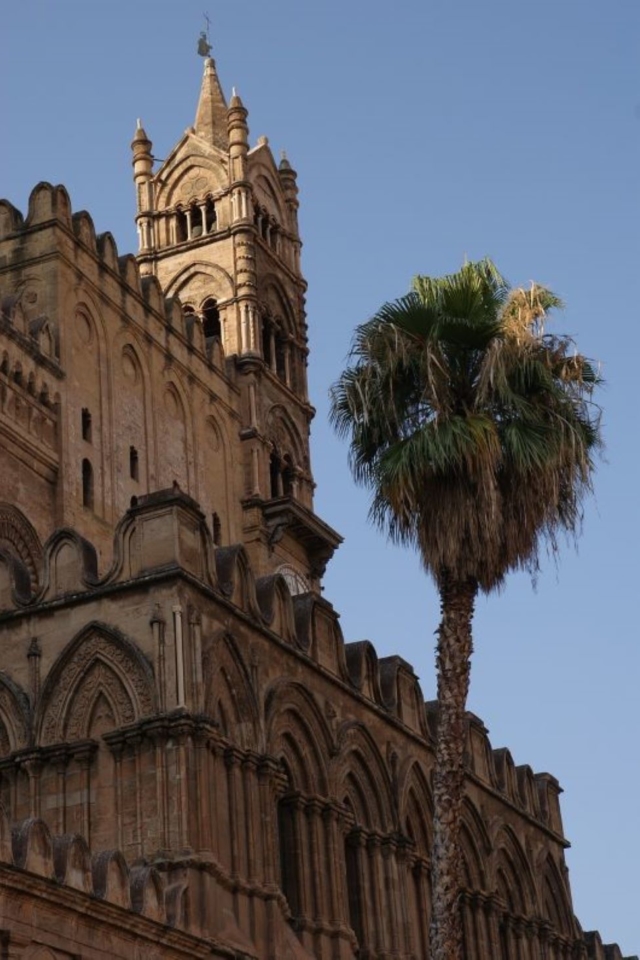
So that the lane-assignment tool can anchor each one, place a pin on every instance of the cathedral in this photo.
(193, 762)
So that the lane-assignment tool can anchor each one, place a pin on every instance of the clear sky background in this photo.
(423, 132)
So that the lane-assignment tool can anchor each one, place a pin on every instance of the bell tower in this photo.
(218, 227)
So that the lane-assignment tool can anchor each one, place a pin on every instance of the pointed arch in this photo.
(360, 775)
(297, 730)
(276, 302)
(98, 661)
(284, 434)
(475, 847)
(229, 695)
(215, 475)
(416, 807)
(14, 716)
(198, 276)
(514, 877)
(186, 177)
(555, 903)
(175, 422)
(19, 537)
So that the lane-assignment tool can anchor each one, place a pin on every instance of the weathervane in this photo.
(204, 47)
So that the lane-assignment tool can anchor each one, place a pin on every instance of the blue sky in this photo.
(422, 133)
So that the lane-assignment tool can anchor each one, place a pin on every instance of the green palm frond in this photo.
(473, 427)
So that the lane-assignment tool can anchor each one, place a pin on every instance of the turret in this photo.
(143, 179)
(242, 220)
(288, 179)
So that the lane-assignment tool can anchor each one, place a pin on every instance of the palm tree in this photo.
(476, 432)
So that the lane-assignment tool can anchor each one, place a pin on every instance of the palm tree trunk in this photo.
(453, 665)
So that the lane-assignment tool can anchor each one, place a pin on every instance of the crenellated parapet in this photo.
(164, 536)
(96, 895)
(50, 206)
(30, 846)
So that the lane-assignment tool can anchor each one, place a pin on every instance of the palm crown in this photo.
(473, 426)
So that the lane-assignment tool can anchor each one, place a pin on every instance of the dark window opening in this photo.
(216, 527)
(504, 942)
(87, 484)
(267, 330)
(354, 886)
(264, 226)
(134, 467)
(210, 217)
(282, 475)
(196, 220)
(211, 320)
(86, 425)
(17, 375)
(182, 232)
(287, 477)
(281, 364)
(274, 475)
(289, 843)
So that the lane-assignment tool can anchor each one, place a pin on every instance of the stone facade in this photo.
(192, 761)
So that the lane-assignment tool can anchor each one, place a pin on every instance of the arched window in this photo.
(87, 484)
(282, 475)
(211, 320)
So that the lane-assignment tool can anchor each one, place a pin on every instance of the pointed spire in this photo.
(211, 115)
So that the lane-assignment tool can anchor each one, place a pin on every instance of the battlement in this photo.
(51, 206)
(164, 535)
(97, 895)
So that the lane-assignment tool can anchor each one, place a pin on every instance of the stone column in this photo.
(158, 625)
(83, 757)
(59, 761)
(389, 892)
(32, 764)
(377, 902)
(314, 826)
(248, 784)
(232, 759)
